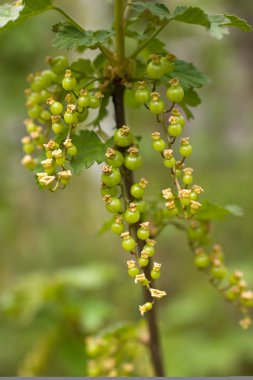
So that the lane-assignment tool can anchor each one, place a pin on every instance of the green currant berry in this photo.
(167, 65)
(143, 262)
(117, 228)
(69, 83)
(114, 205)
(60, 161)
(178, 173)
(169, 163)
(70, 117)
(150, 250)
(175, 130)
(28, 148)
(123, 137)
(155, 70)
(185, 150)
(185, 201)
(128, 244)
(137, 191)
(143, 234)
(132, 162)
(50, 170)
(174, 211)
(142, 96)
(72, 150)
(132, 216)
(181, 120)
(56, 108)
(59, 64)
(113, 191)
(35, 111)
(133, 272)
(38, 84)
(111, 179)
(34, 98)
(155, 275)
(175, 94)
(219, 272)
(148, 306)
(48, 77)
(83, 100)
(45, 95)
(202, 261)
(115, 160)
(45, 115)
(159, 145)
(156, 106)
(95, 102)
(187, 179)
(140, 204)
(231, 294)
(193, 196)
(57, 128)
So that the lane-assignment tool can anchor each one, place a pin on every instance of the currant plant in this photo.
(66, 105)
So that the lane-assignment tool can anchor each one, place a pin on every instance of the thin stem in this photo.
(146, 42)
(68, 17)
(119, 29)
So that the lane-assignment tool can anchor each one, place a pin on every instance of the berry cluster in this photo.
(56, 102)
(128, 211)
(182, 202)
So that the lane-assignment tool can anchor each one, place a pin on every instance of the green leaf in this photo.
(90, 150)
(192, 99)
(154, 9)
(83, 67)
(154, 46)
(69, 37)
(106, 226)
(188, 75)
(12, 14)
(211, 211)
(218, 26)
(220, 23)
(238, 22)
(191, 15)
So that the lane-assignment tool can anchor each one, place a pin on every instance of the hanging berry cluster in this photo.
(128, 220)
(56, 104)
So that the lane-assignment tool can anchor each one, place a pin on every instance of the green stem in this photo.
(146, 42)
(68, 17)
(119, 29)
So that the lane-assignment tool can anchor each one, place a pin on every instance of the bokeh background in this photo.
(60, 280)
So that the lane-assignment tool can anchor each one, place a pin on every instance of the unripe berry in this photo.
(68, 82)
(143, 231)
(156, 105)
(132, 215)
(158, 143)
(175, 92)
(123, 137)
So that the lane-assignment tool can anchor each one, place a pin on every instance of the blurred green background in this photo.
(60, 281)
